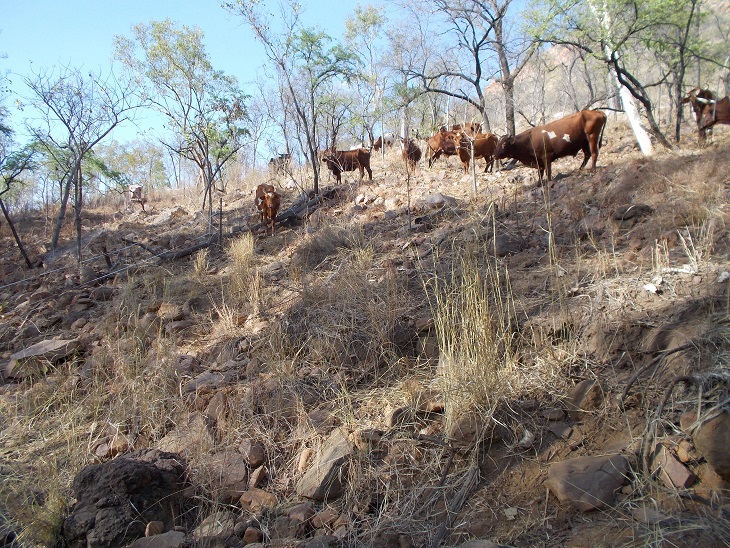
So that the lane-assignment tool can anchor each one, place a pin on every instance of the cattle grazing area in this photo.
(338, 161)
(435, 355)
(540, 146)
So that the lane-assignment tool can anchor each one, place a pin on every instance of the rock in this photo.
(586, 396)
(588, 483)
(325, 541)
(470, 428)
(252, 535)
(229, 475)
(325, 478)
(218, 527)
(553, 414)
(504, 244)
(437, 200)
(649, 516)
(712, 439)
(257, 477)
(34, 359)
(560, 429)
(256, 500)
(671, 471)
(171, 539)
(115, 499)
(254, 452)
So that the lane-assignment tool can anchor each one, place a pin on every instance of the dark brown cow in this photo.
(411, 153)
(716, 112)
(348, 160)
(540, 146)
(443, 142)
(267, 202)
(699, 99)
(484, 145)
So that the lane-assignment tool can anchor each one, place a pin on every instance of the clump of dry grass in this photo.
(474, 326)
(316, 247)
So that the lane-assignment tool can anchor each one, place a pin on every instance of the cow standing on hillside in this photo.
(484, 145)
(267, 201)
(411, 154)
(347, 160)
(716, 112)
(443, 142)
(540, 146)
(699, 99)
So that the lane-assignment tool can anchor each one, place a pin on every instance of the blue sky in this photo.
(41, 34)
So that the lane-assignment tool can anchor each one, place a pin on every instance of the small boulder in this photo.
(712, 439)
(325, 478)
(588, 483)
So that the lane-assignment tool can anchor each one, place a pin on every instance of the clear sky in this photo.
(41, 34)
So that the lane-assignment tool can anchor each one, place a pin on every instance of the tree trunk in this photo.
(66, 192)
(6, 213)
(78, 204)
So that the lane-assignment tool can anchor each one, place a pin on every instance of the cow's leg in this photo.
(370, 172)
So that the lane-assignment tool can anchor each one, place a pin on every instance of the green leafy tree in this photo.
(628, 36)
(309, 68)
(77, 112)
(204, 108)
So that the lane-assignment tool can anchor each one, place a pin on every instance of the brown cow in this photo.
(716, 112)
(411, 153)
(268, 202)
(348, 160)
(484, 145)
(699, 99)
(443, 142)
(540, 146)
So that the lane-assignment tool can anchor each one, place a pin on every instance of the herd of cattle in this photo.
(537, 147)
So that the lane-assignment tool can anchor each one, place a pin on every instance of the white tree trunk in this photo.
(627, 100)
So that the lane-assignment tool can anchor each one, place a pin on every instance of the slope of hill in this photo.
(451, 348)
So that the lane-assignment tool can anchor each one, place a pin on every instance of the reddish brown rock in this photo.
(588, 483)
(712, 439)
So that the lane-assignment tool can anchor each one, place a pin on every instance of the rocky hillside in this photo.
(407, 363)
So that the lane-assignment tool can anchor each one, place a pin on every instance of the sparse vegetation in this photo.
(399, 336)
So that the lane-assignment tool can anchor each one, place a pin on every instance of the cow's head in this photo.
(504, 145)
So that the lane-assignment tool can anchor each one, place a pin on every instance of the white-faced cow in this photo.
(540, 146)
(443, 142)
(347, 160)
(484, 145)
(699, 99)
(411, 153)
(267, 202)
(716, 112)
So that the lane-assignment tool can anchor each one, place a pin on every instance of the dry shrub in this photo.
(345, 319)
(315, 248)
(474, 326)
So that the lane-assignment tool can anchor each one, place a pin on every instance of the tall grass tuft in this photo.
(474, 327)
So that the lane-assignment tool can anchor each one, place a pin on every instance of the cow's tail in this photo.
(600, 137)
